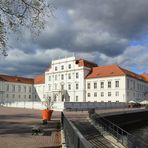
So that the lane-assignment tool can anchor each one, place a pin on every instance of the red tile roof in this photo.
(39, 79)
(112, 70)
(105, 71)
(131, 74)
(145, 76)
(16, 79)
(82, 62)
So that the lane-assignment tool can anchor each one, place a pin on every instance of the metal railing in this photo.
(73, 138)
(122, 136)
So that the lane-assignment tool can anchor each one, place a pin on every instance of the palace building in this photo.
(76, 80)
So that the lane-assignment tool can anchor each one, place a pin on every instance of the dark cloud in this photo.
(98, 30)
(86, 24)
(126, 18)
(121, 19)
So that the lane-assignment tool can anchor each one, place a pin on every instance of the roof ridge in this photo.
(14, 76)
(129, 71)
(108, 65)
(16, 79)
(133, 73)
(120, 68)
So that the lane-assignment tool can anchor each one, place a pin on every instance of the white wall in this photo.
(60, 106)
(113, 98)
(74, 94)
(16, 91)
(39, 93)
(135, 89)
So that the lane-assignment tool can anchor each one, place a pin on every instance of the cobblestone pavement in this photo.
(16, 129)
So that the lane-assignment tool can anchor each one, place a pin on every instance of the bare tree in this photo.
(29, 13)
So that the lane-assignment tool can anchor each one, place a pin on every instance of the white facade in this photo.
(11, 91)
(66, 81)
(39, 94)
(106, 89)
(116, 89)
(62, 73)
(136, 89)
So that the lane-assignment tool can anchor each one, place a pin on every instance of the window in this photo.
(55, 77)
(29, 89)
(7, 96)
(88, 85)
(88, 94)
(102, 84)
(7, 88)
(49, 87)
(77, 86)
(55, 86)
(127, 93)
(117, 84)
(69, 76)
(95, 94)
(56, 68)
(109, 94)
(69, 66)
(62, 67)
(63, 98)
(62, 77)
(131, 82)
(137, 86)
(62, 86)
(95, 85)
(117, 93)
(24, 88)
(25, 96)
(13, 96)
(127, 83)
(49, 78)
(102, 94)
(76, 98)
(77, 75)
(134, 85)
(109, 84)
(19, 96)
(13, 88)
(68, 100)
(29, 96)
(69, 86)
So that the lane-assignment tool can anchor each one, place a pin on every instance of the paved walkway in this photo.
(16, 129)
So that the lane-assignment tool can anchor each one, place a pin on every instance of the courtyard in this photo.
(16, 129)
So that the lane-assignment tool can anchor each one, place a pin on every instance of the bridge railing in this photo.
(73, 138)
(127, 139)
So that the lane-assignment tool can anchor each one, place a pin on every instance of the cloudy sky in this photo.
(102, 31)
